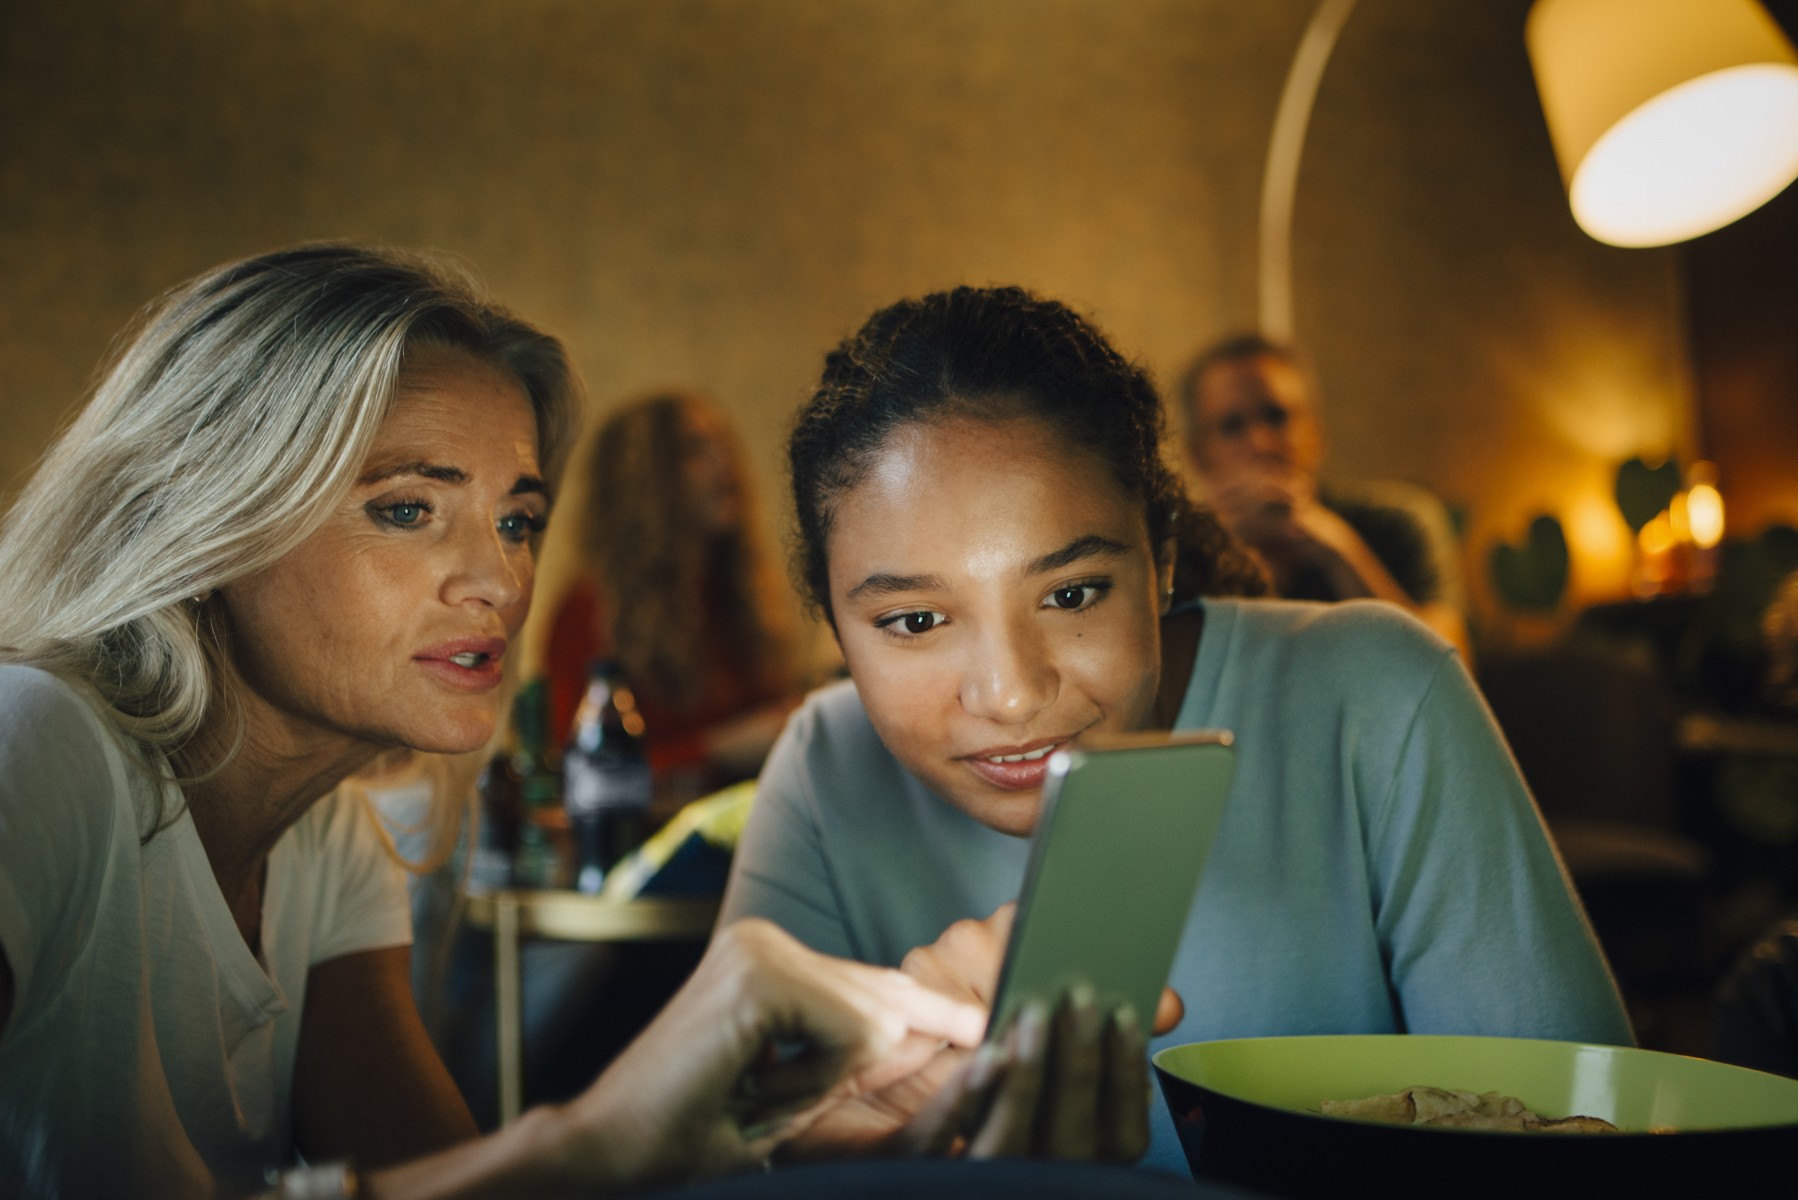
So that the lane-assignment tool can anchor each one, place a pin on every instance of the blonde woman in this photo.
(294, 529)
(676, 588)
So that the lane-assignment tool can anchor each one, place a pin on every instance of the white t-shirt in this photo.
(149, 1052)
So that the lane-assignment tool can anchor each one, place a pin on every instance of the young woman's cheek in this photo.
(1116, 662)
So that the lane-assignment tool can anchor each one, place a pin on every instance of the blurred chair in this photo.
(1593, 732)
(1757, 1005)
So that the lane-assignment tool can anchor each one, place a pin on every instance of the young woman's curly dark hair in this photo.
(996, 353)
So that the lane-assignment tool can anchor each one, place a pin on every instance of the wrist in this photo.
(315, 1181)
(539, 1154)
(575, 1147)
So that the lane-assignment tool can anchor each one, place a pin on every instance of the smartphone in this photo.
(1127, 822)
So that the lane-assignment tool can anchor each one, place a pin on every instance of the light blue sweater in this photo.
(1380, 867)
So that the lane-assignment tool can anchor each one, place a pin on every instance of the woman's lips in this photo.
(467, 664)
(1023, 775)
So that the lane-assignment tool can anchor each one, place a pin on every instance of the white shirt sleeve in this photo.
(362, 897)
(62, 790)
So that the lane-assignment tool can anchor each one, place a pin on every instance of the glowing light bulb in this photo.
(1704, 515)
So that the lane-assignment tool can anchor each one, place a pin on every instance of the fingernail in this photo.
(1033, 1029)
(1083, 1007)
(1123, 1018)
(986, 1064)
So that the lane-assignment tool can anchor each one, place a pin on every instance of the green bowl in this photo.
(1246, 1114)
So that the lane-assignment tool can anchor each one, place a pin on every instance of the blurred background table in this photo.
(565, 916)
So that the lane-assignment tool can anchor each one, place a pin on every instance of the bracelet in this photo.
(322, 1181)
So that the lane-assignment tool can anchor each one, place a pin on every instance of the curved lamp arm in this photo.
(1279, 183)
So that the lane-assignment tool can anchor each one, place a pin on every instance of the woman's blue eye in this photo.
(518, 527)
(403, 514)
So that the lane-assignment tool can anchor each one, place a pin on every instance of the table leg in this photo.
(508, 1008)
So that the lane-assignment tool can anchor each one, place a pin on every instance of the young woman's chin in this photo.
(1009, 812)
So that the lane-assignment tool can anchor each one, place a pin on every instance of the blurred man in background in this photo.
(1254, 439)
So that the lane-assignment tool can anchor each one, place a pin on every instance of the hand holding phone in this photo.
(1123, 834)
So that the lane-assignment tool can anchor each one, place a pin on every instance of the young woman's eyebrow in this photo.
(881, 584)
(1090, 546)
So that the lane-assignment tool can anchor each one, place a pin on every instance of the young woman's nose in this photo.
(1008, 677)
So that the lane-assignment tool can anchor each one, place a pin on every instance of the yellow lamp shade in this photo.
(1670, 118)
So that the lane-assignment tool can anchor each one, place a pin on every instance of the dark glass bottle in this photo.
(605, 776)
(542, 859)
(502, 821)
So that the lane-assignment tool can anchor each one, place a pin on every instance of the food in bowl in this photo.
(1246, 1111)
(1448, 1108)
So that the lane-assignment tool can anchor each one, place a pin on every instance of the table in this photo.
(1721, 733)
(567, 916)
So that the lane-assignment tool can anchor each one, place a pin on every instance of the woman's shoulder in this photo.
(64, 779)
(1346, 627)
(832, 723)
(1368, 646)
(44, 716)
(30, 693)
(345, 821)
(830, 743)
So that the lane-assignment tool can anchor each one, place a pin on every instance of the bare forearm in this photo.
(368, 1085)
(527, 1159)
(1354, 571)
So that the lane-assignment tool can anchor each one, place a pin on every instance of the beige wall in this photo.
(711, 192)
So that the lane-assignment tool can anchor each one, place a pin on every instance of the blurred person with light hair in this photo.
(294, 531)
(1254, 439)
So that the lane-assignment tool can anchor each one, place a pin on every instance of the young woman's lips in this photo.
(1024, 774)
(465, 665)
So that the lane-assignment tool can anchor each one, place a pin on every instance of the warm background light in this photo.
(1599, 543)
(1670, 118)
(1704, 515)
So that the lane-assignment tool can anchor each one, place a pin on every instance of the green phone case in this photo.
(1127, 823)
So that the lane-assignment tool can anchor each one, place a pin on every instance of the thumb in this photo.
(1169, 1010)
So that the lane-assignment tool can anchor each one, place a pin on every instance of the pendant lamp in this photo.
(1670, 118)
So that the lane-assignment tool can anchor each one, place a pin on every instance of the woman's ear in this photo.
(1164, 573)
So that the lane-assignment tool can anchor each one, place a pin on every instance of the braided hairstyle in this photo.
(995, 354)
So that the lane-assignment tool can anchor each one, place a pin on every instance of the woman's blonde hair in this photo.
(674, 590)
(234, 416)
